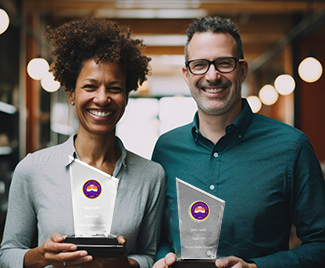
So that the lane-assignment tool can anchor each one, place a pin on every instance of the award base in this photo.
(98, 247)
(194, 264)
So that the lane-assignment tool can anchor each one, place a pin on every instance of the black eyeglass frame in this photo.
(187, 64)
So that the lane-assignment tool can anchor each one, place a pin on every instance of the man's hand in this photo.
(233, 262)
(169, 259)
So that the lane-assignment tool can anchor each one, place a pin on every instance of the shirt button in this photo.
(239, 136)
(215, 154)
(211, 187)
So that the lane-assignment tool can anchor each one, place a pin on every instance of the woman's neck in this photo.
(99, 151)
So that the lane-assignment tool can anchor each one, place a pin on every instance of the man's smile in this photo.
(214, 90)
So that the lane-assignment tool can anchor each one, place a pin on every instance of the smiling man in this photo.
(265, 171)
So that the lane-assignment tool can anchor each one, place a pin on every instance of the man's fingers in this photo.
(227, 261)
(170, 258)
(221, 262)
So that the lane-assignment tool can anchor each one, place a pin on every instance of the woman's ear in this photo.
(71, 97)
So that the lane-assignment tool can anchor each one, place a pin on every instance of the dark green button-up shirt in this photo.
(269, 177)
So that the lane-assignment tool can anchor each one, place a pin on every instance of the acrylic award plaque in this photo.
(200, 218)
(93, 201)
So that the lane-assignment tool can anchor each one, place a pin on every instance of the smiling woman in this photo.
(100, 97)
(98, 63)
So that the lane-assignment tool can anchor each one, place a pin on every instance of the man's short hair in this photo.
(214, 25)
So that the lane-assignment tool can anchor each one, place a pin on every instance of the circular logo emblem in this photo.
(92, 189)
(199, 211)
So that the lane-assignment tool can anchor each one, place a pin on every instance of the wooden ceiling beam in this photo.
(213, 7)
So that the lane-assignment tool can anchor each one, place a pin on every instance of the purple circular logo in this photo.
(199, 211)
(92, 189)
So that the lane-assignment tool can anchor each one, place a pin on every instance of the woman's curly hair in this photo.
(79, 40)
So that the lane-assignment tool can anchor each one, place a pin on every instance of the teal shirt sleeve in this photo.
(307, 191)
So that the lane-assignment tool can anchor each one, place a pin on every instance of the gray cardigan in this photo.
(40, 197)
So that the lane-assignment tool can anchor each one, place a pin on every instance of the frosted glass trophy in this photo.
(93, 201)
(200, 218)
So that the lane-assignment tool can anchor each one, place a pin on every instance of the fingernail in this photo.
(83, 253)
(89, 258)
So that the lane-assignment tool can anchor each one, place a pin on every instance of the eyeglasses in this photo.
(222, 65)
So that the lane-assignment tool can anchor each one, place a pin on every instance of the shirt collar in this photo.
(71, 150)
(195, 127)
(244, 119)
(241, 123)
(120, 162)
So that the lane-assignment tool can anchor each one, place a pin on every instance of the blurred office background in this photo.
(277, 36)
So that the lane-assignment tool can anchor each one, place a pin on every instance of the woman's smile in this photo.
(100, 113)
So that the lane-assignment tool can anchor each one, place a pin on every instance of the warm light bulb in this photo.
(49, 84)
(268, 95)
(37, 68)
(4, 21)
(284, 84)
(310, 70)
(255, 103)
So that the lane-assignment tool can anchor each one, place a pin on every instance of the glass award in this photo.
(200, 218)
(93, 201)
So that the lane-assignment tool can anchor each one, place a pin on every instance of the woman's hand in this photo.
(54, 252)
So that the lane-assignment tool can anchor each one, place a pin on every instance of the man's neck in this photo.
(213, 127)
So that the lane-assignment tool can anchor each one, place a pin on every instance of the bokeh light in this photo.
(49, 84)
(4, 21)
(268, 95)
(37, 68)
(310, 70)
(284, 84)
(255, 103)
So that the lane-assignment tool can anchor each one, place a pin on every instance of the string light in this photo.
(37, 68)
(49, 84)
(310, 70)
(284, 84)
(268, 95)
(4, 21)
(255, 103)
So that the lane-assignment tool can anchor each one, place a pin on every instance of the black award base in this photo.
(98, 246)
(194, 264)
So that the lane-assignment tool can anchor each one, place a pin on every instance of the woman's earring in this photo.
(72, 103)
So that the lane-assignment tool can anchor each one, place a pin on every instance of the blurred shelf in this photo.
(7, 108)
(5, 150)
